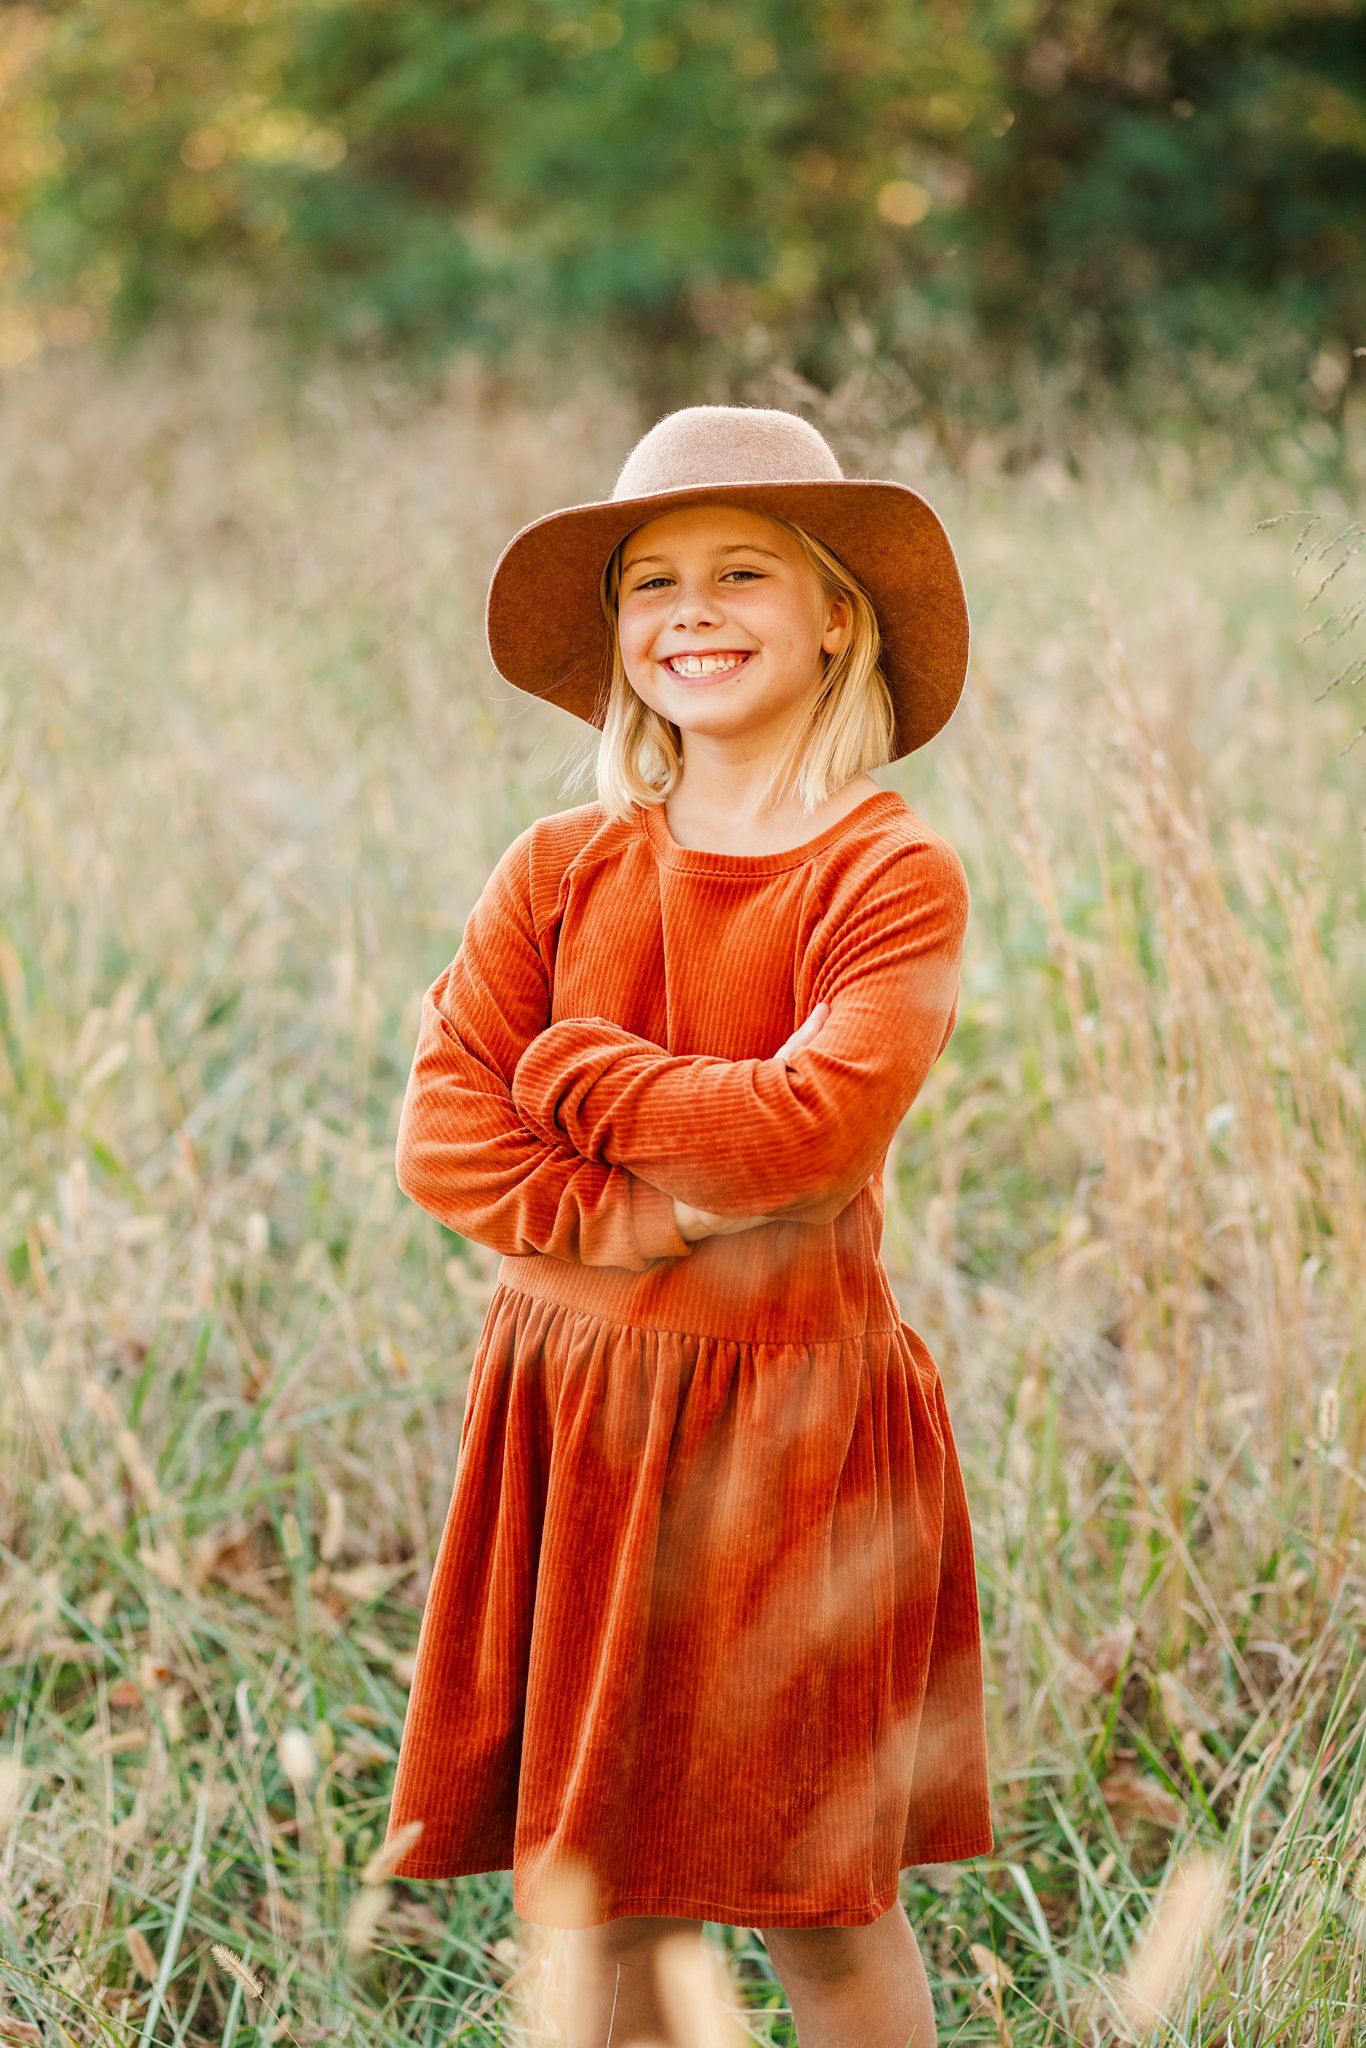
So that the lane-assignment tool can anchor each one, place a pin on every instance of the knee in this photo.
(632, 1939)
(817, 1955)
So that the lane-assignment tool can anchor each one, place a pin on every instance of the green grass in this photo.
(252, 773)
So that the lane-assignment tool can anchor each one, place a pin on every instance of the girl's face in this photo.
(723, 624)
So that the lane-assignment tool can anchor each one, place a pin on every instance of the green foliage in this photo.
(466, 172)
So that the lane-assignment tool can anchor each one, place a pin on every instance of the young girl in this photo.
(702, 1637)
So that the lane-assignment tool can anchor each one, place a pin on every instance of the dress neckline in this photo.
(704, 860)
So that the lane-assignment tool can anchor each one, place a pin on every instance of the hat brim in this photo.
(547, 634)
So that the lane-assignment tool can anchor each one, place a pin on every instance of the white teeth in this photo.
(702, 664)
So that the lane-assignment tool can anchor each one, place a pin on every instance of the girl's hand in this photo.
(695, 1224)
(803, 1034)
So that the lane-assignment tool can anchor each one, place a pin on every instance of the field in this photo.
(253, 771)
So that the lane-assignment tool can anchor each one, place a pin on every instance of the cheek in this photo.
(635, 636)
(778, 605)
(788, 627)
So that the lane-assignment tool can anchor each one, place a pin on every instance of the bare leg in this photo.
(855, 1987)
(612, 1983)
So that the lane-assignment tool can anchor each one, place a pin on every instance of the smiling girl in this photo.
(702, 1639)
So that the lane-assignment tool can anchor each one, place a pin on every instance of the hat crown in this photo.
(726, 444)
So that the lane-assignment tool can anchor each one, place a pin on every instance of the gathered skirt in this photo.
(702, 1635)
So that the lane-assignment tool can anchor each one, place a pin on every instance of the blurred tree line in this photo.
(1089, 177)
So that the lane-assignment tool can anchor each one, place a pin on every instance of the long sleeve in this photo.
(764, 1136)
(463, 1152)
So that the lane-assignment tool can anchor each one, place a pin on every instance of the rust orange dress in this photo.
(702, 1633)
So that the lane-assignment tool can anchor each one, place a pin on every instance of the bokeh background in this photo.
(304, 307)
(1172, 195)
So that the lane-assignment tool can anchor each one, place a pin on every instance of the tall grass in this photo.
(253, 771)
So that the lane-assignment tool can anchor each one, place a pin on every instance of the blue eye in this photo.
(661, 580)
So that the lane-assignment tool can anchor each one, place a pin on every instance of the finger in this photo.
(727, 1226)
(804, 1033)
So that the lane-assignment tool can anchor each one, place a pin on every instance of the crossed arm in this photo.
(463, 1152)
(573, 1138)
(791, 1139)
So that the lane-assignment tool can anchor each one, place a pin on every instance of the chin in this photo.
(717, 723)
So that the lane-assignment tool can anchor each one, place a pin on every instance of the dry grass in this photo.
(251, 774)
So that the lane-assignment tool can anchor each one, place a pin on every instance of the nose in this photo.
(693, 610)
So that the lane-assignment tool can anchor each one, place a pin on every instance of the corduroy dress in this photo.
(702, 1635)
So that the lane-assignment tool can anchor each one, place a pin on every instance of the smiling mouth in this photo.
(692, 668)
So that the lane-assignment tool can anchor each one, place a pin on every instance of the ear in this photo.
(839, 621)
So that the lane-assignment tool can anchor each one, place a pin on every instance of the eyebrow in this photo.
(732, 548)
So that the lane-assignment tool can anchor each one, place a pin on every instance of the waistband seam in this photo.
(666, 1330)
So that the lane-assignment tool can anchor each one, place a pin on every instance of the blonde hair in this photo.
(849, 727)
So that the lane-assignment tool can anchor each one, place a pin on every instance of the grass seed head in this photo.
(141, 1953)
(363, 1918)
(11, 1791)
(75, 1493)
(1328, 1416)
(228, 1960)
(693, 1993)
(1167, 1952)
(334, 1526)
(298, 1758)
(140, 1470)
(391, 1853)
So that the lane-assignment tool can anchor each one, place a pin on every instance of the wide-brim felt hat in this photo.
(548, 634)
